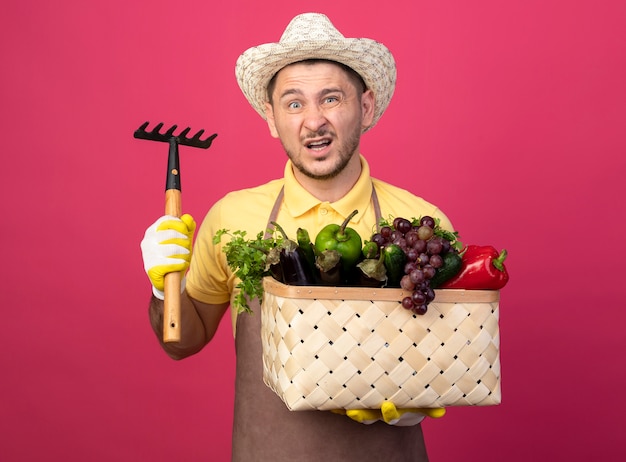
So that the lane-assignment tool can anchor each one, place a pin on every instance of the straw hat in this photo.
(313, 36)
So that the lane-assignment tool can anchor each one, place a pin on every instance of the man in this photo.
(318, 91)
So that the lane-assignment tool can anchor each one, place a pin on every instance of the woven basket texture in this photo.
(330, 348)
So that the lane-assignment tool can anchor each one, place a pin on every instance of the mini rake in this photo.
(171, 311)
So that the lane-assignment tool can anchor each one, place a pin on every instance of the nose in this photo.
(314, 118)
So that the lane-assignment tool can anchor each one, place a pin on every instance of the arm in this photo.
(199, 322)
(167, 247)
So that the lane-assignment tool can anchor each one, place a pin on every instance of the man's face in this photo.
(319, 114)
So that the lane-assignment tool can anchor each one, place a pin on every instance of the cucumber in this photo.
(452, 264)
(395, 258)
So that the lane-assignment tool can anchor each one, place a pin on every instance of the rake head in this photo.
(156, 135)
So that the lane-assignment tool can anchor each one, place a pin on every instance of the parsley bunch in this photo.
(247, 258)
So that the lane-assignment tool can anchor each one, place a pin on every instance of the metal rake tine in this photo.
(141, 132)
(158, 128)
(195, 140)
(170, 132)
(156, 135)
(198, 135)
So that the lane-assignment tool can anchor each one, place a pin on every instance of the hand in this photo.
(389, 414)
(166, 248)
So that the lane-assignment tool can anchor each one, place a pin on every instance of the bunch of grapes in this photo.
(424, 252)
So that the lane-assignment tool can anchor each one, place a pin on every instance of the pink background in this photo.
(510, 115)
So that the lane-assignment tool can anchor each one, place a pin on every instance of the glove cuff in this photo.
(161, 295)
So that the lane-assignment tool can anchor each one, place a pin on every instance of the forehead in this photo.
(312, 73)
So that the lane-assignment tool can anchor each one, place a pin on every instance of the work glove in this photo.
(389, 414)
(166, 247)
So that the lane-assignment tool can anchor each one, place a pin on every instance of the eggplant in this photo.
(304, 242)
(293, 263)
(372, 272)
(330, 266)
(272, 263)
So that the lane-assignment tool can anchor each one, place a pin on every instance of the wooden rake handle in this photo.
(173, 207)
(171, 303)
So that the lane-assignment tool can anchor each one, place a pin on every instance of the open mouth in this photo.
(318, 144)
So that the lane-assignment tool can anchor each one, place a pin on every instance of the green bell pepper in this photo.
(344, 240)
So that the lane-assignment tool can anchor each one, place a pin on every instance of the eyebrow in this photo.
(296, 91)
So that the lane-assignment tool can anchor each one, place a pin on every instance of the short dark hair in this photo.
(353, 75)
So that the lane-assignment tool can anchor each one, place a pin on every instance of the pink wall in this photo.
(509, 115)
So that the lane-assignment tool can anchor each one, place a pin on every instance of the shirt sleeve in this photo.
(208, 279)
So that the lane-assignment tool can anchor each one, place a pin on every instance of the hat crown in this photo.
(310, 27)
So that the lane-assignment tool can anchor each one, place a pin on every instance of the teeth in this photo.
(318, 144)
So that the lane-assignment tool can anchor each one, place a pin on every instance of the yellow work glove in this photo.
(166, 247)
(389, 414)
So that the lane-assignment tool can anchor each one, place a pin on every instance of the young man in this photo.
(318, 91)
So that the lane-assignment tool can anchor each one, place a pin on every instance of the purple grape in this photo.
(420, 246)
(406, 283)
(436, 261)
(430, 295)
(411, 238)
(429, 271)
(445, 246)
(418, 297)
(409, 266)
(400, 242)
(378, 239)
(411, 254)
(427, 221)
(407, 303)
(417, 276)
(422, 259)
(434, 246)
(395, 234)
(402, 224)
(420, 309)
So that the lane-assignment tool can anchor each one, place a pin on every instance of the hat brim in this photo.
(370, 59)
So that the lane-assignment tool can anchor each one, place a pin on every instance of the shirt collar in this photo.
(300, 201)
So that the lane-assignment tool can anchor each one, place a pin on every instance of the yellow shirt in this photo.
(210, 280)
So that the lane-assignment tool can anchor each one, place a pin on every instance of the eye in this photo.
(294, 105)
(331, 100)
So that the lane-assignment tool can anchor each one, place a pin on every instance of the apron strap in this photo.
(376, 207)
(274, 212)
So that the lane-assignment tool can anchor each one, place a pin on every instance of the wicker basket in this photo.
(353, 348)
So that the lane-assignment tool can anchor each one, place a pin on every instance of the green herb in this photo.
(247, 259)
(451, 236)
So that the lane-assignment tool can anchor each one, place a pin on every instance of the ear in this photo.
(269, 116)
(367, 108)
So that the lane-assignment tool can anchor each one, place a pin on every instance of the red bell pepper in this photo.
(482, 268)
